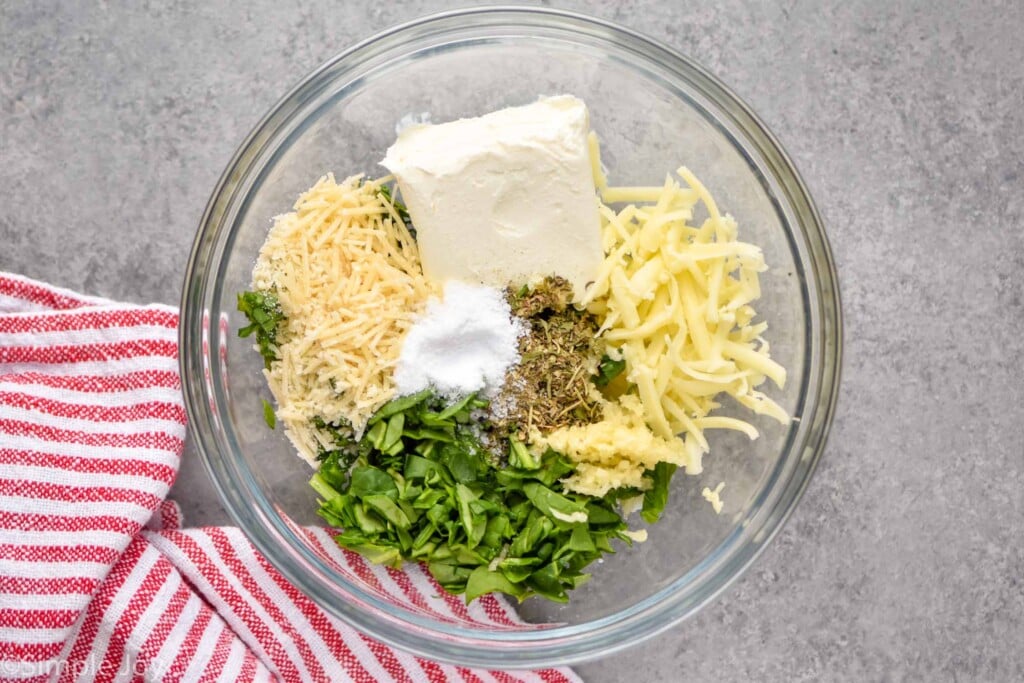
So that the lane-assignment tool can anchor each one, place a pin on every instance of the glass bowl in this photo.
(654, 110)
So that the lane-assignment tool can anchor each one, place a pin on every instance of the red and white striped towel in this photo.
(98, 581)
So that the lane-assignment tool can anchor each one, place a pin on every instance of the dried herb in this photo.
(553, 294)
(551, 386)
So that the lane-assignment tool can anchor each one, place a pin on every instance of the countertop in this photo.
(905, 560)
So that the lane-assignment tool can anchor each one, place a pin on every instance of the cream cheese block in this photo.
(503, 198)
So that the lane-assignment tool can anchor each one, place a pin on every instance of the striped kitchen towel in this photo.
(98, 579)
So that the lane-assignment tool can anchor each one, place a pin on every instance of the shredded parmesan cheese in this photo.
(348, 278)
(675, 299)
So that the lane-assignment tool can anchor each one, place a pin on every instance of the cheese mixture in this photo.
(492, 372)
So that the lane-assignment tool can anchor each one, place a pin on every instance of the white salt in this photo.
(463, 343)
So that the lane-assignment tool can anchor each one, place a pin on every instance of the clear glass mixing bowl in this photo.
(653, 110)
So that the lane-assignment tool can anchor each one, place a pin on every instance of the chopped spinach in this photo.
(268, 414)
(607, 370)
(656, 497)
(422, 487)
(400, 208)
(345, 449)
(265, 317)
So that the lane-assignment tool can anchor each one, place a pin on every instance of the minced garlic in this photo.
(614, 452)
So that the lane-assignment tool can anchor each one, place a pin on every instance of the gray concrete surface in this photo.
(905, 561)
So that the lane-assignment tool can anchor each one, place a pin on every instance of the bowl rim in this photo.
(553, 646)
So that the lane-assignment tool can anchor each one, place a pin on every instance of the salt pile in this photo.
(463, 343)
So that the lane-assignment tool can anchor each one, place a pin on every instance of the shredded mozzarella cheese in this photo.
(675, 299)
(713, 496)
